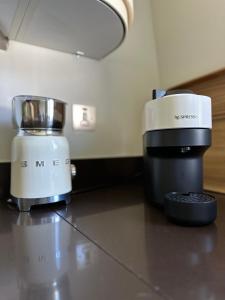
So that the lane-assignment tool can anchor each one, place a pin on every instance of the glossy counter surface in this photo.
(109, 244)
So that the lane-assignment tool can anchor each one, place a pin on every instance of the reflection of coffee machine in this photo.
(188, 252)
(40, 166)
(177, 133)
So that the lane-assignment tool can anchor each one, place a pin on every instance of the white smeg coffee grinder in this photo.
(40, 158)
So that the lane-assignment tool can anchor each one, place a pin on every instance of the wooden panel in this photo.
(215, 159)
(214, 86)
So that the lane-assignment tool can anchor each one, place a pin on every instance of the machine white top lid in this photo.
(178, 110)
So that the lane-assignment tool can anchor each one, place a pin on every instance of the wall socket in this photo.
(84, 117)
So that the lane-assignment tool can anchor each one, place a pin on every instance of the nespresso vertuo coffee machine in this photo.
(176, 135)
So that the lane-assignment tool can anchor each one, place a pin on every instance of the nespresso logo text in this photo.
(43, 163)
(187, 117)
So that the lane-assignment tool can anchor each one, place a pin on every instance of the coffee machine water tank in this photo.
(176, 135)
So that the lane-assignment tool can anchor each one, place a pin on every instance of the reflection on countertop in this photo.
(43, 257)
(109, 244)
(177, 262)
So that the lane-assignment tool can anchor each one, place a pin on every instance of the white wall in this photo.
(190, 38)
(118, 86)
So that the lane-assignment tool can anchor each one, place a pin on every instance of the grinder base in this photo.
(25, 204)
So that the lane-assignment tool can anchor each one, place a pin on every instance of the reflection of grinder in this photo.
(177, 134)
(41, 245)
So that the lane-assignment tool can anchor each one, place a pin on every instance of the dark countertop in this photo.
(109, 244)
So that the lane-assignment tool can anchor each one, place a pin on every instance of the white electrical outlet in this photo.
(84, 117)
